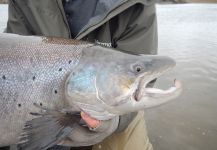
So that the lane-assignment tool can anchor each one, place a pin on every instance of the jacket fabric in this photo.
(126, 25)
(78, 13)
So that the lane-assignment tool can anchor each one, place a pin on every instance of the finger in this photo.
(91, 122)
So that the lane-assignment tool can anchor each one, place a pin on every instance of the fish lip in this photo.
(135, 95)
(138, 90)
(142, 83)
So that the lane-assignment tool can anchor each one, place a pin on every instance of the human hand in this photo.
(91, 122)
(96, 131)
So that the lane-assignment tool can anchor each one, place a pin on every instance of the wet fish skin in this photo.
(113, 85)
(70, 75)
(33, 70)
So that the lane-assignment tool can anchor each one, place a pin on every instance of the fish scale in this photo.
(46, 82)
(20, 62)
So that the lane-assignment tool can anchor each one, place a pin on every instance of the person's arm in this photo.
(135, 30)
(37, 17)
(96, 131)
(16, 22)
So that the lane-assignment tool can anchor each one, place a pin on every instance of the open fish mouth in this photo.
(144, 91)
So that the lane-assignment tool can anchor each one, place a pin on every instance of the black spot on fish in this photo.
(19, 105)
(60, 69)
(4, 77)
(70, 61)
(33, 78)
(55, 91)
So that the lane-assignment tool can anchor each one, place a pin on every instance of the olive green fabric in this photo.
(133, 138)
(130, 25)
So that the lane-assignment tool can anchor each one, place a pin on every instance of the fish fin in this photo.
(47, 129)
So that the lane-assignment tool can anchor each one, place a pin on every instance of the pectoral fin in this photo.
(47, 129)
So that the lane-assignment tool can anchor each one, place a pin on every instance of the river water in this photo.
(3, 16)
(187, 33)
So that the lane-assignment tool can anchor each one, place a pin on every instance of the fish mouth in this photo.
(144, 89)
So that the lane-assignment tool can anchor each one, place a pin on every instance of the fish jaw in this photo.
(108, 83)
(152, 97)
(142, 97)
(158, 97)
(149, 98)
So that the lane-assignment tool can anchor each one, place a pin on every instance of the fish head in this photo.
(107, 83)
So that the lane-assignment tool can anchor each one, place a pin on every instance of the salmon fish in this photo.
(52, 77)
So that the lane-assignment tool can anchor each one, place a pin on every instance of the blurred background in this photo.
(187, 33)
(3, 1)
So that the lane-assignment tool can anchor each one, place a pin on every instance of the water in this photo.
(187, 33)
(3, 16)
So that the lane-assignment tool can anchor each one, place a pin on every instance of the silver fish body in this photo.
(32, 70)
(70, 75)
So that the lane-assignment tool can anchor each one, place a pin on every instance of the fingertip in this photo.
(91, 122)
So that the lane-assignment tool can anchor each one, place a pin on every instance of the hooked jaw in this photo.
(137, 96)
(144, 96)
(152, 97)
(140, 95)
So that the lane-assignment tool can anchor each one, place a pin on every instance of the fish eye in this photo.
(138, 68)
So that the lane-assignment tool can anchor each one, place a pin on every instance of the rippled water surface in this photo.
(187, 33)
